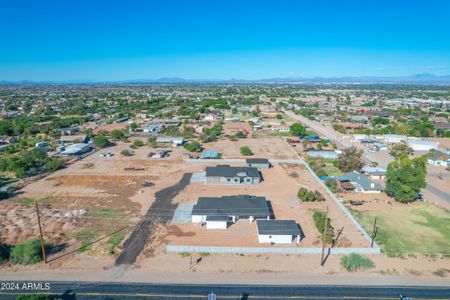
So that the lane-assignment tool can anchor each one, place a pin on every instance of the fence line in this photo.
(239, 160)
(263, 250)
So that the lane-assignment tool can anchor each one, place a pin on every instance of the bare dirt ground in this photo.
(111, 195)
(265, 147)
(280, 186)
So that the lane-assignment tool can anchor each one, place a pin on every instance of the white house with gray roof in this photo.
(219, 212)
(278, 231)
(232, 175)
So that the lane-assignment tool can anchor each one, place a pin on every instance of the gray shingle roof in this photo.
(227, 171)
(240, 205)
(278, 227)
(360, 181)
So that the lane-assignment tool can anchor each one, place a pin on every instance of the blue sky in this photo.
(119, 40)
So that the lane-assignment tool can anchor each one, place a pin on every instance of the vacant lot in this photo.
(271, 148)
(413, 228)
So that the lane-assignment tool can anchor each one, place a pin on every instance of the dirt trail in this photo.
(161, 210)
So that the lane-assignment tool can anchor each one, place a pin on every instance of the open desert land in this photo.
(110, 198)
(264, 147)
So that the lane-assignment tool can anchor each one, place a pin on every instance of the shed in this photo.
(278, 231)
(210, 154)
(258, 163)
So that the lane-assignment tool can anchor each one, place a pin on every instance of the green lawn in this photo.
(414, 228)
(331, 170)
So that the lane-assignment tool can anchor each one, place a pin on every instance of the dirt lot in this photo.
(271, 148)
(97, 185)
(280, 186)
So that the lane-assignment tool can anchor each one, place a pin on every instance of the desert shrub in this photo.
(246, 151)
(125, 152)
(26, 253)
(138, 143)
(319, 222)
(354, 262)
(240, 135)
(306, 195)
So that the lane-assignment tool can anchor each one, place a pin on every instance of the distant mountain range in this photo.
(414, 79)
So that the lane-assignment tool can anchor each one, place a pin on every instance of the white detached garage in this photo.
(278, 231)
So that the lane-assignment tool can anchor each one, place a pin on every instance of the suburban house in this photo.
(219, 212)
(76, 149)
(72, 139)
(280, 128)
(176, 141)
(354, 181)
(260, 163)
(210, 117)
(439, 158)
(374, 172)
(278, 231)
(234, 175)
(210, 154)
(153, 128)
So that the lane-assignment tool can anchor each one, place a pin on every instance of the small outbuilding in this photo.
(278, 231)
(210, 154)
(260, 163)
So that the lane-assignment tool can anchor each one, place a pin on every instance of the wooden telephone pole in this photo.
(40, 234)
(374, 232)
(323, 238)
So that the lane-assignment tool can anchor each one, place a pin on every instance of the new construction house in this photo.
(234, 175)
(278, 231)
(219, 212)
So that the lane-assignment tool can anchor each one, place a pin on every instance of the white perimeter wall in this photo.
(277, 239)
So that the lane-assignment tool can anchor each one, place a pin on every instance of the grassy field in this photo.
(331, 170)
(414, 228)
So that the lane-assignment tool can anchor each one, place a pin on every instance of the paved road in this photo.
(105, 290)
(162, 207)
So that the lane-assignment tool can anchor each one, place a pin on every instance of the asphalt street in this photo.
(104, 290)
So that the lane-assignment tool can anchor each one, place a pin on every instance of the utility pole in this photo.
(40, 234)
(323, 237)
(374, 232)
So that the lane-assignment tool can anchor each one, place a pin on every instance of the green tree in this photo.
(133, 126)
(26, 253)
(4, 252)
(117, 134)
(246, 151)
(193, 146)
(400, 150)
(297, 129)
(350, 159)
(405, 178)
(53, 164)
(101, 141)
